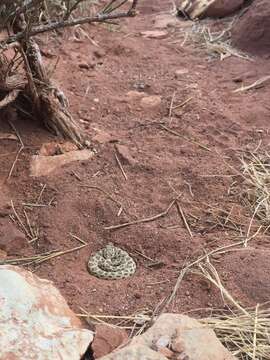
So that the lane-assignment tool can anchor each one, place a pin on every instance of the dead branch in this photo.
(56, 25)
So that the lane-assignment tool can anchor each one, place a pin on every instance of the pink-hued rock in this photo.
(222, 8)
(35, 320)
(44, 165)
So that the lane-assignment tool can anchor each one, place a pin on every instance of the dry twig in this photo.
(144, 220)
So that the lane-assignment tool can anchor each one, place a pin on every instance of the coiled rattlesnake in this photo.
(111, 263)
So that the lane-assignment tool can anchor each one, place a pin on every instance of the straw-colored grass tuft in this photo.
(245, 332)
(215, 43)
(247, 336)
(257, 190)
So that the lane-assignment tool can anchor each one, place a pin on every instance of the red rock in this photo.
(54, 148)
(251, 32)
(222, 8)
(125, 155)
(44, 165)
(49, 149)
(67, 146)
(35, 320)
(107, 338)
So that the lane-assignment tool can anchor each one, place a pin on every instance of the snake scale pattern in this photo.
(111, 263)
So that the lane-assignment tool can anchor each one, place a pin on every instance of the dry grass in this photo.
(246, 336)
(215, 43)
(257, 186)
(136, 323)
(245, 332)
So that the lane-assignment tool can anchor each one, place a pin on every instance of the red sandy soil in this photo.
(159, 166)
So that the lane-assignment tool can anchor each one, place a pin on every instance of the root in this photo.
(50, 102)
(58, 120)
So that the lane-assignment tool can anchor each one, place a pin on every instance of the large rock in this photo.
(251, 32)
(209, 8)
(177, 337)
(222, 8)
(35, 320)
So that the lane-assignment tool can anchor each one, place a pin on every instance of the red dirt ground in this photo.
(159, 166)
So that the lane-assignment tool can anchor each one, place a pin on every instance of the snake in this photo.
(111, 263)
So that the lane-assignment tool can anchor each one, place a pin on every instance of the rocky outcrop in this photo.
(251, 32)
(35, 320)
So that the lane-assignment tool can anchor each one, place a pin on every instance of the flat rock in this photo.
(35, 320)
(125, 154)
(149, 102)
(55, 148)
(44, 165)
(107, 339)
(154, 34)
